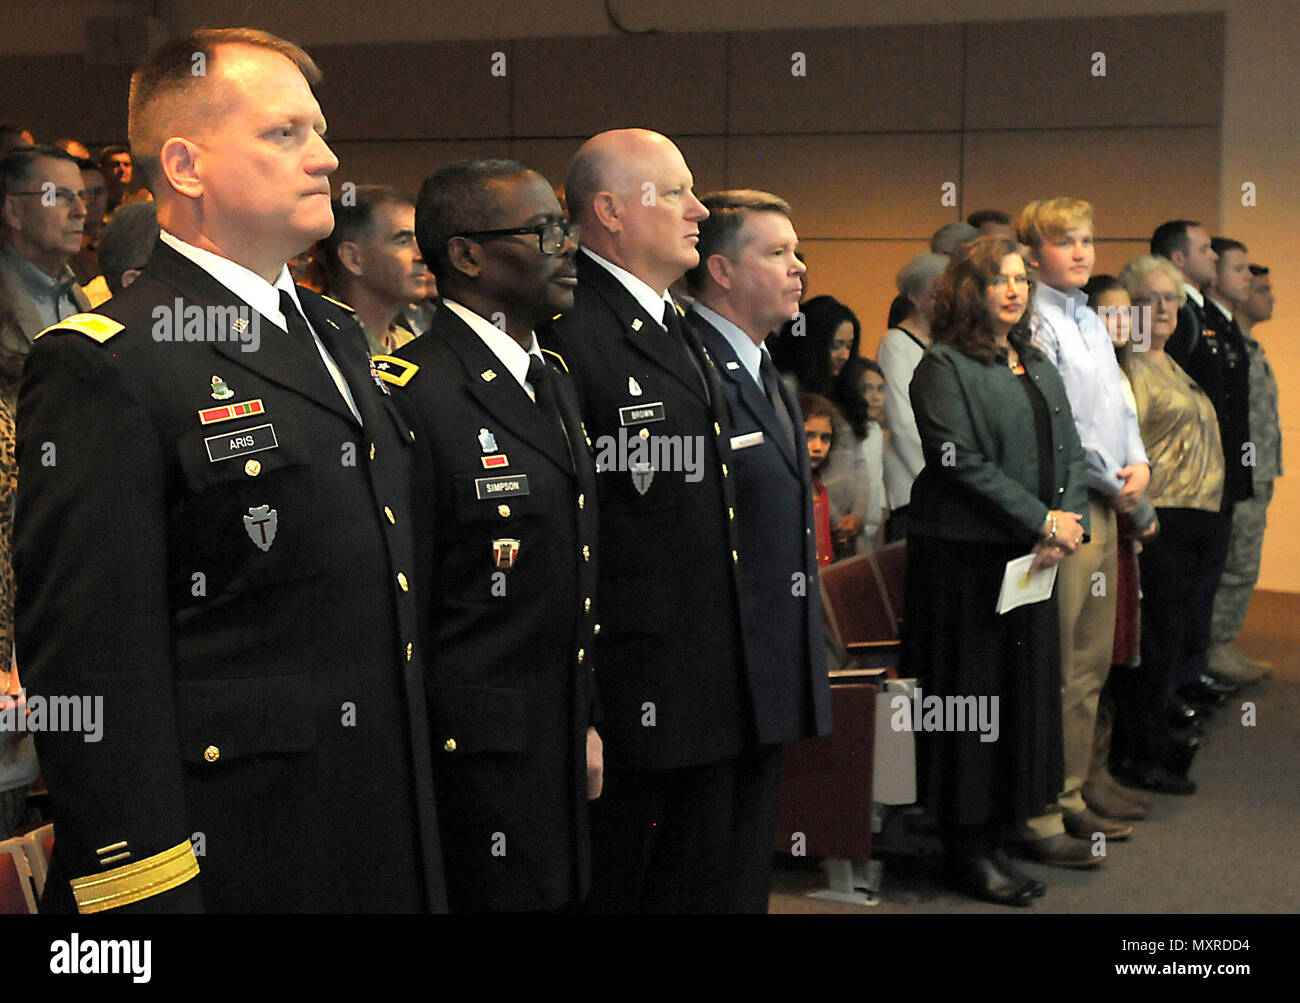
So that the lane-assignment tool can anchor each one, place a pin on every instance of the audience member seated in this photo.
(866, 377)
(119, 169)
(991, 222)
(951, 236)
(85, 263)
(819, 418)
(900, 350)
(128, 242)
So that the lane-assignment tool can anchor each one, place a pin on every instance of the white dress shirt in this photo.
(505, 348)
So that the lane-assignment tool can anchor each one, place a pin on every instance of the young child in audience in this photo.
(818, 424)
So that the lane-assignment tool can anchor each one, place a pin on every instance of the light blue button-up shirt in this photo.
(1074, 338)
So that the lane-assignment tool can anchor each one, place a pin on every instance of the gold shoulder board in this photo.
(393, 370)
(92, 325)
(557, 357)
(337, 303)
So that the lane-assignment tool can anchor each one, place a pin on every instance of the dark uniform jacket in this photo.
(1212, 350)
(507, 513)
(672, 679)
(980, 480)
(781, 600)
(238, 590)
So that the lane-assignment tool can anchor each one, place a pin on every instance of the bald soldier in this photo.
(214, 545)
(686, 817)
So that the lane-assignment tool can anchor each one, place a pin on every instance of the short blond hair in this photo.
(1044, 219)
(1132, 275)
(168, 95)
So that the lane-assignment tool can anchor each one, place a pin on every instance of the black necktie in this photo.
(772, 385)
(295, 321)
(300, 334)
(539, 376)
(678, 336)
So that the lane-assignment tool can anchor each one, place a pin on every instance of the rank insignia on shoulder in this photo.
(391, 369)
(487, 441)
(92, 325)
(504, 553)
(488, 375)
(557, 357)
(338, 303)
(633, 387)
(495, 460)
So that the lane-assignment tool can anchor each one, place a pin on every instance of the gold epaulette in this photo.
(331, 299)
(92, 325)
(393, 370)
(136, 882)
(558, 358)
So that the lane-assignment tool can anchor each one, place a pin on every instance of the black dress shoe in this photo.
(1221, 686)
(979, 876)
(1154, 778)
(1182, 714)
(1201, 696)
(1036, 888)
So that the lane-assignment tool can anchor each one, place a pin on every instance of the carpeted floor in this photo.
(1231, 847)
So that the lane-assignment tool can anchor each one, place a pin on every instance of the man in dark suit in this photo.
(214, 543)
(747, 285)
(1210, 347)
(506, 503)
(680, 825)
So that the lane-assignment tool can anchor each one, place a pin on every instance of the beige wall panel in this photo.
(1135, 178)
(1160, 70)
(853, 186)
(859, 273)
(855, 80)
(48, 94)
(430, 90)
(404, 165)
(1112, 255)
(581, 86)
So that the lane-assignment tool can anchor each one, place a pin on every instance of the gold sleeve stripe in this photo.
(386, 364)
(558, 357)
(92, 325)
(135, 882)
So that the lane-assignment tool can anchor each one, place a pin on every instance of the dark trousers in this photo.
(1196, 647)
(697, 839)
(1172, 567)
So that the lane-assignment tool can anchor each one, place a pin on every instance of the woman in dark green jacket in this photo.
(1003, 477)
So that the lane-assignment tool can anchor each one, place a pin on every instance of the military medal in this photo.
(487, 441)
(495, 460)
(220, 391)
(633, 387)
(504, 552)
(226, 412)
(374, 375)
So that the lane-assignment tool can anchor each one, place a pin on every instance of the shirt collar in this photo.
(649, 300)
(504, 347)
(750, 355)
(1194, 294)
(38, 283)
(1068, 303)
(1219, 305)
(245, 284)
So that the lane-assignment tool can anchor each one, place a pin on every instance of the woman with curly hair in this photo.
(1003, 477)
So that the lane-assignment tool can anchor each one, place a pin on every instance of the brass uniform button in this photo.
(401, 580)
(586, 605)
(252, 468)
(389, 512)
(731, 512)
(211, 753)
(372, 450)
(735, 558)
(717, 429)
(582, 501)
(586, 552)
(449, 745)
(503, 511)
(596, 629)
(644, 433)
(410, 650)
(581, 654)
(724, 470)
(412, 433)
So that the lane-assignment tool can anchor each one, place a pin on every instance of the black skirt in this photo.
(957, 646)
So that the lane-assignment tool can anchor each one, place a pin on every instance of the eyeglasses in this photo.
(550, 236)
(63, 197)
(1150, 299)
(999, 281)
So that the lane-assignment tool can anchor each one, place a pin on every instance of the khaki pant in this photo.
(1085, 586)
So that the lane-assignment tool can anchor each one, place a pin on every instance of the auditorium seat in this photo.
(16, 895)
(39, 844)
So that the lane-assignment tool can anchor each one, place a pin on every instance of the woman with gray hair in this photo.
(900, 351)
(1181, 435)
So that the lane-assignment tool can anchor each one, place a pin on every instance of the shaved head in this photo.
(609, 161)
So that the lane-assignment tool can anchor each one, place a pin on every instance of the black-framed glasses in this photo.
(550, 236)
